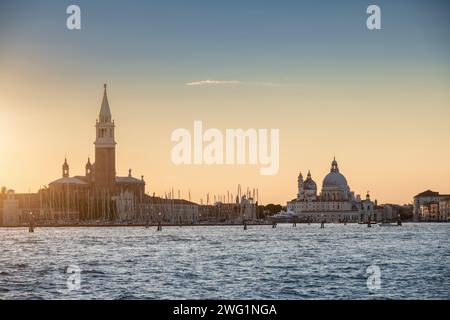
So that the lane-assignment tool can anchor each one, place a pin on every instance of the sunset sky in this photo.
(377, 100)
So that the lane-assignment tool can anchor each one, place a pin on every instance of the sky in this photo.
(377, 100)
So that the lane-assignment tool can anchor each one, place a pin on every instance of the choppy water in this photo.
(226, 263)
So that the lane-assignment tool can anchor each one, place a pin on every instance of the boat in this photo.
(283, 216)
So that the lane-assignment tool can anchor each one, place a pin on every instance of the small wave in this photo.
(127, 296)
(92, 272)
(175, 238)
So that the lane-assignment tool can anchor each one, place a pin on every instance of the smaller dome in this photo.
(309, 183)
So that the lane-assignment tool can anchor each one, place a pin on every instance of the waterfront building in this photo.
(391, 212)
(9, 210)
(25, 203)
(244, 208)
(429, 211)
(174, 211)
(435, 210)
(336, 202)
(430, 205)
(444, 208)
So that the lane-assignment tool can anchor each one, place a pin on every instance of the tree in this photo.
(271, 209)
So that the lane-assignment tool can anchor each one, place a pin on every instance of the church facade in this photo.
(335, 203)
(99, 193)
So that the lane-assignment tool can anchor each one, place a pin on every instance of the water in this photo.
(226, 263)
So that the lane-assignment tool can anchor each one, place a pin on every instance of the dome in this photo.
(68, 181)
(334, 179)
(309, 183)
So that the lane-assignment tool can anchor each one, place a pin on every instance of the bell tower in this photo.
(105, 149)
(65, 169)
(300, 187)
(88, 169)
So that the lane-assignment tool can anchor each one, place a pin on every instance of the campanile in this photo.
(105, 149)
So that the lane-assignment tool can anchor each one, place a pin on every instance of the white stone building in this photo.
(336, 202)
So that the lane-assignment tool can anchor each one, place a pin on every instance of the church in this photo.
(97, 196)
(335, 203)
(99, 193)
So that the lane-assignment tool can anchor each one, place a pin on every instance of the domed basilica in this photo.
(335, 202)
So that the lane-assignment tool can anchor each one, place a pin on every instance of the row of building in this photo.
(101, 195)
(18, 209)
(336, 202)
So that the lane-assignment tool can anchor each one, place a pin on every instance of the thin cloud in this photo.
(212, 82)
(236, 82)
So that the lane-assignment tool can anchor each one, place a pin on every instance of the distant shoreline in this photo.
(136, 225)
(103, 225)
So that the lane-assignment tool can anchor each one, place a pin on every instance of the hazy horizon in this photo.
(376, 100)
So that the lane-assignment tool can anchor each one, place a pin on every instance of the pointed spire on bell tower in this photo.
(104, 125)
(88, 168)
(105, 112)
(65, 169)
